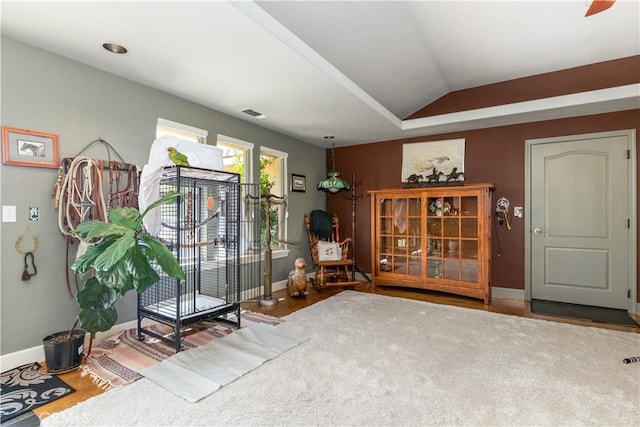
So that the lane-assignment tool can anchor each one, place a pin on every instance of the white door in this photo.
(580, 219)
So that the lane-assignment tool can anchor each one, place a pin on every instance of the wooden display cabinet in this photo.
(436, 238)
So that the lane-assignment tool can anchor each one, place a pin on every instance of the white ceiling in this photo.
(353, 69)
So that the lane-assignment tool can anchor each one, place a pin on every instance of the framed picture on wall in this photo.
(22, 147)
(433, 160)
(298, 182)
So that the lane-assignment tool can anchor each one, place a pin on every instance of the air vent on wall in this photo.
(254, 113)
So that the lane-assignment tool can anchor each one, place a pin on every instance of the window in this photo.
(273, 172)
(236, 157)
(213, 229)
(167, 127)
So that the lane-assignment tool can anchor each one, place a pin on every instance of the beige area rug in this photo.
(195, 374)
(118, 360)
(378, 360)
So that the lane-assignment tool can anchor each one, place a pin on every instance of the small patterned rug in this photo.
(583, 312)
(118, 360)
(25, 388)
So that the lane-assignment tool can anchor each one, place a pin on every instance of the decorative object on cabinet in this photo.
(443, 158)
(413, 180)
(434, 177)
(437, 207)
(298, 182)
(206, 243)
(433, 238)
(323, 228)
(455, 176)
(22, 147)
(333, 183)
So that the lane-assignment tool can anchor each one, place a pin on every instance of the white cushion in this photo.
(329, 251)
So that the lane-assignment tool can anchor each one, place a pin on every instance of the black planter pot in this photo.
(61, 353)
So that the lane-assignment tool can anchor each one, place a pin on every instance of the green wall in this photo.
(49, 93)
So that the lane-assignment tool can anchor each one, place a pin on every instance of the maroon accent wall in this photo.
(494, 155)
(618, 72)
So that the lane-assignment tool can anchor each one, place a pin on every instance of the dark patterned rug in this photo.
(24, 388)
(584, 312)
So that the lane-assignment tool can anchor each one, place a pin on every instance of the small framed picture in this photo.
(22, 147)
(298, 182)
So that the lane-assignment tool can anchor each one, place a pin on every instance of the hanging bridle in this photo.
(79, 194)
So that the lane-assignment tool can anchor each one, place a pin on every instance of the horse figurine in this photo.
(454, 175)
(434, 177)
(414, 180)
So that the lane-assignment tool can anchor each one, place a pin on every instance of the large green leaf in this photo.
(85, 262)
(90, 230)
(96, 295)
(159, 252)
(98, 319)
(115, 252)
(126, 217)
(117, 277)
(142, 272)
(96, 303)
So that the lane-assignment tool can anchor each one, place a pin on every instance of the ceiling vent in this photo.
(254, 114)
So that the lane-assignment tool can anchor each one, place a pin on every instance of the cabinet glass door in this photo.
(440, 213)
(401, 236)
(452, 233)
(469, 240)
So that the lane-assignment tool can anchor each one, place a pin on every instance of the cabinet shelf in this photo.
(435, 238)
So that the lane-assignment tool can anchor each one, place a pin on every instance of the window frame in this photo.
(282, 249)
(181, 130)
(248, 154)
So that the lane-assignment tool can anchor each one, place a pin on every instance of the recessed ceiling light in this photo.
(115, 48)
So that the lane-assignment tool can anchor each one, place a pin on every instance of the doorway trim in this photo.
(633, 306)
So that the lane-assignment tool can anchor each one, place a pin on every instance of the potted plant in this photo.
(123, 258)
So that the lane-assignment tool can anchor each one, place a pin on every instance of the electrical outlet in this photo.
(517, 211)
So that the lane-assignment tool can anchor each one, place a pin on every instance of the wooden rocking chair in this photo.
(331, 259)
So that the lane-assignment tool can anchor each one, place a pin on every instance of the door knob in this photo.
(537, 231)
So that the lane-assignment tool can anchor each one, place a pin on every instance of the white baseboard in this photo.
(282, 284)
(22, 357)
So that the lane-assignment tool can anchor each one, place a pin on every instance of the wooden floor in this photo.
(86, 389)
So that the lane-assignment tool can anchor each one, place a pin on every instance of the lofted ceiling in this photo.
(352, 69)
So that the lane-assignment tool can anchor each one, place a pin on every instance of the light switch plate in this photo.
(9, 214)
